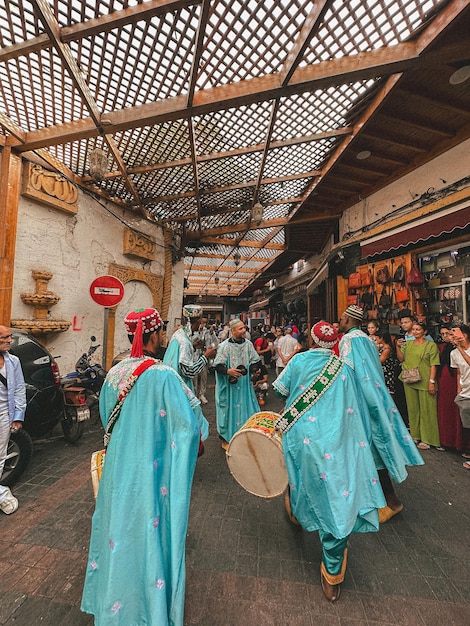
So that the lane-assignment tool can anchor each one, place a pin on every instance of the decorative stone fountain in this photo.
(42, 301)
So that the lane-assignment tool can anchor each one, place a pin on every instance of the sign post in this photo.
(106, 291)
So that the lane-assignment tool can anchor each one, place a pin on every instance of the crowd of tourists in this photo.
(433, 378)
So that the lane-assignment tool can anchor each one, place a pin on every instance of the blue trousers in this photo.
(334, 557)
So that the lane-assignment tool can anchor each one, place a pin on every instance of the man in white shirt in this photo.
(12, 409)
(460, 359)
(287, 346)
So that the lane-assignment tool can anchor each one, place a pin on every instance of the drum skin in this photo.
(255, 457)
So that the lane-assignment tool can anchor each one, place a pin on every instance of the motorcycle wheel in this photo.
(19, 453)
(71, 427)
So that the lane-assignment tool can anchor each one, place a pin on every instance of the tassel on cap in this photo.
(137, 349)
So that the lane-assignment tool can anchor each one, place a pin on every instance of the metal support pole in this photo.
(105, 337)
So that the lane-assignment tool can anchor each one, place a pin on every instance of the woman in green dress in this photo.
(421, 397)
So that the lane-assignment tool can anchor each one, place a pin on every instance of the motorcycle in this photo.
(88, 375)
(47, 405)
(76, 412)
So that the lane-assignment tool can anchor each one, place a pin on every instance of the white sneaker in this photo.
(9, 504)
(203, 399)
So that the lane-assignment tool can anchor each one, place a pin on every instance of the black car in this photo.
(45, 402)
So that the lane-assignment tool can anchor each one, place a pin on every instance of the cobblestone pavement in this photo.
(246, 564)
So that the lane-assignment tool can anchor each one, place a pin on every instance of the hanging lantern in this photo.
(216, 280)
(236, 258)
(98, 162)
(229, 287)
(257, 213)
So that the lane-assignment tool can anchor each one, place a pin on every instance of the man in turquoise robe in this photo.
(333, 483)
(136, 564)
(394, 448)
(180, 355)
(235, 401)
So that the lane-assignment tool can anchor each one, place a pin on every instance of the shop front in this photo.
(423, 270)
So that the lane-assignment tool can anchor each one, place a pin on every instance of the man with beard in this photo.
(235, 397)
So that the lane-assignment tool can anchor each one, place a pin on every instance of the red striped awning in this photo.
(420, 233)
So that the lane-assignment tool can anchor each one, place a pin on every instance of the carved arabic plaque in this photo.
(138, 245)
(49, 188)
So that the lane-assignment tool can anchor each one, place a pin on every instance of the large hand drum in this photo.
(255, 457)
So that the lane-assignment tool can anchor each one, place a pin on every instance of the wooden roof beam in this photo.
(95, 26)
(309, 28)
(51, 26)
(244, 244)
(400, 142)
(360, 67)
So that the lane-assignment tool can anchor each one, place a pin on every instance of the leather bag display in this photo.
(383, 275)
(367, 279)
(399, 275)
(415, 277)
(402, 295)
(354, 281)
(420, 293)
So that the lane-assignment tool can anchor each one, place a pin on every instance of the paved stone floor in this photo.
(246, 564)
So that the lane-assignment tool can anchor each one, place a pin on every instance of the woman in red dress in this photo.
(450, 424)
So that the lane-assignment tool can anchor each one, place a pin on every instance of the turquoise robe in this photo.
(394, 447)
(334, 485)
(136, 565)
(180, 356)
(236, 403)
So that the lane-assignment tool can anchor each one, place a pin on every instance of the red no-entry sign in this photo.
(107, 290)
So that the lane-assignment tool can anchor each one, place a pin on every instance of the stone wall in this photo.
(77, 249)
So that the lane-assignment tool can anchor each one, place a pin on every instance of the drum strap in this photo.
(313, 393)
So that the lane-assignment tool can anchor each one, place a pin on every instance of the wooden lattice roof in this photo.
(208, 107)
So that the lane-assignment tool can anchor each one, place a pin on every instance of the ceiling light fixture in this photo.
(257, 213)
(460, 75)
(98, 162)
(364, 154)
(236, 258)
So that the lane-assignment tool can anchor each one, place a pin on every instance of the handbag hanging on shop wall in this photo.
(399, 275)
(415, 277)
(354, 281)
(367, 279)
(402, 295)
(383, 275)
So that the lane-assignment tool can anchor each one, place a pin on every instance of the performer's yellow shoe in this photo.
(386, 513)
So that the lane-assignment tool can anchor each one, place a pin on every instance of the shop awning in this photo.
(319, 277)
(459, 220)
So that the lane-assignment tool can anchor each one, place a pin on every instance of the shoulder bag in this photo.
(412, 374)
